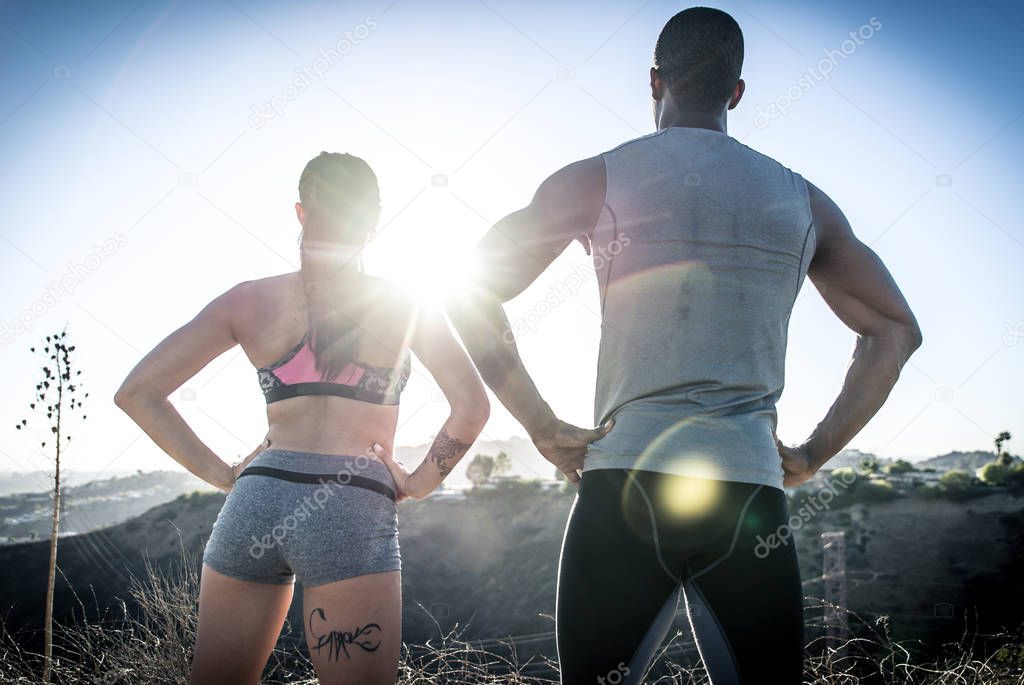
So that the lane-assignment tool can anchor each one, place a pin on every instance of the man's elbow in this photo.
(911, 337)
(896, 339)
(903, 339)
(916, 337)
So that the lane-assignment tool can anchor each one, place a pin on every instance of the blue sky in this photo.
(137, 174)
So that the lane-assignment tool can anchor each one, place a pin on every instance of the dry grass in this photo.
(153, 645)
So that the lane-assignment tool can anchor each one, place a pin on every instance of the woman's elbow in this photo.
(474, 411)
(124, 397)
(129, 396)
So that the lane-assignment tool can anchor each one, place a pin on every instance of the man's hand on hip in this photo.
(797, 464)
(565, 445)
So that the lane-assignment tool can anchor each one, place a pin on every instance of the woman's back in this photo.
(272, 323)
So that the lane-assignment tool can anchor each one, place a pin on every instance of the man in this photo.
(701, 246)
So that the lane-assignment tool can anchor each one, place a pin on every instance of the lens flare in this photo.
(690, 496)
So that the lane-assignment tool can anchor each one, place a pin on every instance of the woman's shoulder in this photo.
(276, 280)
(260, 289)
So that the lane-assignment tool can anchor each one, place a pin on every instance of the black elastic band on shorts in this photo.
(321, 479)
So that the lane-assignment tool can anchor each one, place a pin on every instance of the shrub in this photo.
(1015, 476)
(846, 474)
(876, 490)
(956, 480)
(994, 473)
(518, 486)
(960, 485)
(899, 467)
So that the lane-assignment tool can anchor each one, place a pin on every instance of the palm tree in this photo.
(1002, 457)
(58, 375)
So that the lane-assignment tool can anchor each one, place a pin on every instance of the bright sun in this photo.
(429, 270)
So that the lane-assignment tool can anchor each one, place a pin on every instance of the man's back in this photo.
(701, 246)
(701, 249)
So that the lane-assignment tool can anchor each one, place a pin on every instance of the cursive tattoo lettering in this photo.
(337, 642)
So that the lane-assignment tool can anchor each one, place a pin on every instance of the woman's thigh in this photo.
(239, 623)
(354, 629)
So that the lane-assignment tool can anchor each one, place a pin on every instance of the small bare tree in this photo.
(58, 377)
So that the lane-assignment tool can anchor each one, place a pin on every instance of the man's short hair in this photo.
(699, 55)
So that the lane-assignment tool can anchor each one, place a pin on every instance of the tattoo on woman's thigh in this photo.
(338, 642)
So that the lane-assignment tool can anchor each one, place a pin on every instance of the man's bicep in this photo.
(518, 248)
(511, 255)
(851, 277)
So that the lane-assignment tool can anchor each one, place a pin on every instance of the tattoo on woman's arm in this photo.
(445, 451)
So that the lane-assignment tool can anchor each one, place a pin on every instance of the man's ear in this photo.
(657, 84)
(300, 213)
(737, 93)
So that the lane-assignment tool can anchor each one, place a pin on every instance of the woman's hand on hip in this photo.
(404, 479)
(236, 469)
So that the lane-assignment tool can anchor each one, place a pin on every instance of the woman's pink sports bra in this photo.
(295, 375)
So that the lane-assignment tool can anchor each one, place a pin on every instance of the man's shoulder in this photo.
(632, 141)
(764, 158)
(582, 173)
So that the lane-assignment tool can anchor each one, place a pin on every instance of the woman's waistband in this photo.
(323, 469)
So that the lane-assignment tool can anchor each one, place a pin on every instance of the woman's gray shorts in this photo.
(319, 518)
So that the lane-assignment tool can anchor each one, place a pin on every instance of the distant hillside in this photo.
(526, 461)
(853, 459)
(14, 482)
(964, 461)
(92, 505)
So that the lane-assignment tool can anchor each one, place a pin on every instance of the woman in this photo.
(316, 501)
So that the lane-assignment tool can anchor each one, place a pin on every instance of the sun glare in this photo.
(429, 271)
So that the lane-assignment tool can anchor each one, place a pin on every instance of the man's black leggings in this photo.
(637, 540)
